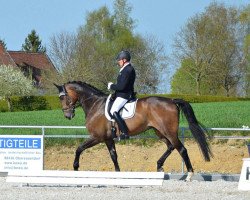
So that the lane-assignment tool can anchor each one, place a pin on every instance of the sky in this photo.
(159, 18)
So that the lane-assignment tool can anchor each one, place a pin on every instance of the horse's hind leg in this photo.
(163, 158)
(87, 144)
(111, 147)
(183, 152)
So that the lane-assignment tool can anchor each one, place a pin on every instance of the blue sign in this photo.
(20, 143)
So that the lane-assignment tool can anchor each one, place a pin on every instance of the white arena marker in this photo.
(88, 178)
(244, 182)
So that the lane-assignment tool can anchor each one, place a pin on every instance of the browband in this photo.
(63, 92)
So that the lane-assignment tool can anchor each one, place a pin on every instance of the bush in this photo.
(3, 106)
(30, 103)
(54, 102)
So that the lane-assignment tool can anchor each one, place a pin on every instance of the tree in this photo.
(213, 42)
(13, 82)
(150, 63)
(33, 43)
(95, 49)
(192, 43)
(228, 65)
(49, 77)
(62, 50)
(3, 43)
(97, 43)
(245, 19)
(122, 11)
(182, 82)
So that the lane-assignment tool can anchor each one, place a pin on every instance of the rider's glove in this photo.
(109, 85)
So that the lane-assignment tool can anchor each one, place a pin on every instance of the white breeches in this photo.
(118, 104)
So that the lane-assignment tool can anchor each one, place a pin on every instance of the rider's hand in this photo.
(109, 85)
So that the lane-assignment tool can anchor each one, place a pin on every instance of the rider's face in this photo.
(121, 62)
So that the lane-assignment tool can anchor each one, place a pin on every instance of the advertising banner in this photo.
(21, 153)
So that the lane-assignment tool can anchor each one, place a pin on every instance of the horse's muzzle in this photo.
(69, 115)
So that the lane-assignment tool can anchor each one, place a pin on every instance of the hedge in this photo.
(29, 103)
(199, 99)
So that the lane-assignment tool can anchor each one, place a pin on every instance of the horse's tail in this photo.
(196, 128)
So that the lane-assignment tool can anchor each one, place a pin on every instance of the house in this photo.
(32, 64)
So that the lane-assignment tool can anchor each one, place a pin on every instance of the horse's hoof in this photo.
(75, 168)
(189, 177)
(160, 169)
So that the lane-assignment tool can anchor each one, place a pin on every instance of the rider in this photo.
(124, 89)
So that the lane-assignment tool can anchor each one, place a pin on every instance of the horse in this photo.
(153, 112)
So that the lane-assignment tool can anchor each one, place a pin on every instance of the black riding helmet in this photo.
(123, 55)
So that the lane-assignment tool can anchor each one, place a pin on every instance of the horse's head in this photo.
(68, 98)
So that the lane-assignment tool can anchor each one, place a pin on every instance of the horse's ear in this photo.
(58, 86)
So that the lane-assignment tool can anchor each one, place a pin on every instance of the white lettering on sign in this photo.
(21, 143)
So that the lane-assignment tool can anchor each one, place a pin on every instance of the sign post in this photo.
(21, 153)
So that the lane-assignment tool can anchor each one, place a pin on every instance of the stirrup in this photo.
(113, 132)
(121, 137)
(124, 136)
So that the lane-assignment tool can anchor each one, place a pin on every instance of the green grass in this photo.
(42, 118)
(222, 114)
(217, 114)
(45, 117)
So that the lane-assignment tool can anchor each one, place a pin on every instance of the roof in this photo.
(23, 58)
(37, 60)
(5, 58)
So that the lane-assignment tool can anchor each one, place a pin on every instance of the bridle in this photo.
(68, 99)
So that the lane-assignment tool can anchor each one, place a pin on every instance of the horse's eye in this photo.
(61, 98)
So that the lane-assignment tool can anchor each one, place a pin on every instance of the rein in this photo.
(71, 106)
(91, 96)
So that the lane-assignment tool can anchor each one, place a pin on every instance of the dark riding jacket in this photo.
(125, 82)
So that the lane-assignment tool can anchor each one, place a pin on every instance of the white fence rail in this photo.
(182, 131)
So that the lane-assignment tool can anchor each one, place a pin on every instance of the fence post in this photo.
(43, 133)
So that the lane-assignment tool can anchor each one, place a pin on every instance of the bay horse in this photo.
(158, 113)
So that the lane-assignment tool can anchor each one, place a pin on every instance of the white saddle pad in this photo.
(128, 111)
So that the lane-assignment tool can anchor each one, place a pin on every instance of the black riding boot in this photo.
(122, 126)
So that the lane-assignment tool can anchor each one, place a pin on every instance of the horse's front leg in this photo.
(111, 147)
(87, 144)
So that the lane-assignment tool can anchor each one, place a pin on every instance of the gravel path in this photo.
(171, 189)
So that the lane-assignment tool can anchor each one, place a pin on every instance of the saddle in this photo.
(126, 112)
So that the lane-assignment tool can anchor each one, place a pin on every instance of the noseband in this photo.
(71, 105)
